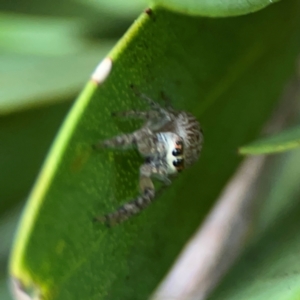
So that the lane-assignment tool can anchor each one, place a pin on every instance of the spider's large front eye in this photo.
(178, 164)
(178, 148)
(177, 152)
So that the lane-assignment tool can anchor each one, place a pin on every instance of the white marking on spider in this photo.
(102, 71)
(169, 140)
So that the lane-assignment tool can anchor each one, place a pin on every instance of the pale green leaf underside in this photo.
(214, 8)
(37, 35)
(43, 80)
(283, 141)
(228, 73)
(42, 56)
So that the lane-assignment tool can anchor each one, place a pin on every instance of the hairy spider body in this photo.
(169, 141)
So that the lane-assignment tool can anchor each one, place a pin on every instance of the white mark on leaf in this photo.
(102, 71)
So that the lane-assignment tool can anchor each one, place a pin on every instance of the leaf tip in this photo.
(240, 151)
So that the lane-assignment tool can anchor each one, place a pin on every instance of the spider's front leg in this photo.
(135, 206)
(155, 119)
(125, 140)
(138, 114)
(156, 107)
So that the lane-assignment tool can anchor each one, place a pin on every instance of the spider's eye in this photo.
(178, 164)
(176, 152)
(178, 148)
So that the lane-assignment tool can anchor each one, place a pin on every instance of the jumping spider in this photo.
(169, 141)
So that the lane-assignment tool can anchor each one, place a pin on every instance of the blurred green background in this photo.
(47, 52)
(48, 49)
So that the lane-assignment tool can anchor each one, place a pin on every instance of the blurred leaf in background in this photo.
(48, 50)
(283, 141)
(270, 267)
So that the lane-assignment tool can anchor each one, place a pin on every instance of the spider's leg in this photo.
(145, 115)
(167, 103)
(155, 106)
(163, 115)
(154, 119)
(135, 206)
(150, 102)
(125, 140)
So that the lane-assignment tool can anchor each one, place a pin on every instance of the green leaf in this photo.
(25, 139)
(228, 73)
(283, 141)
(44, 80)
(38, 35)
(270, 269)
(214, 8)
(42, 55)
